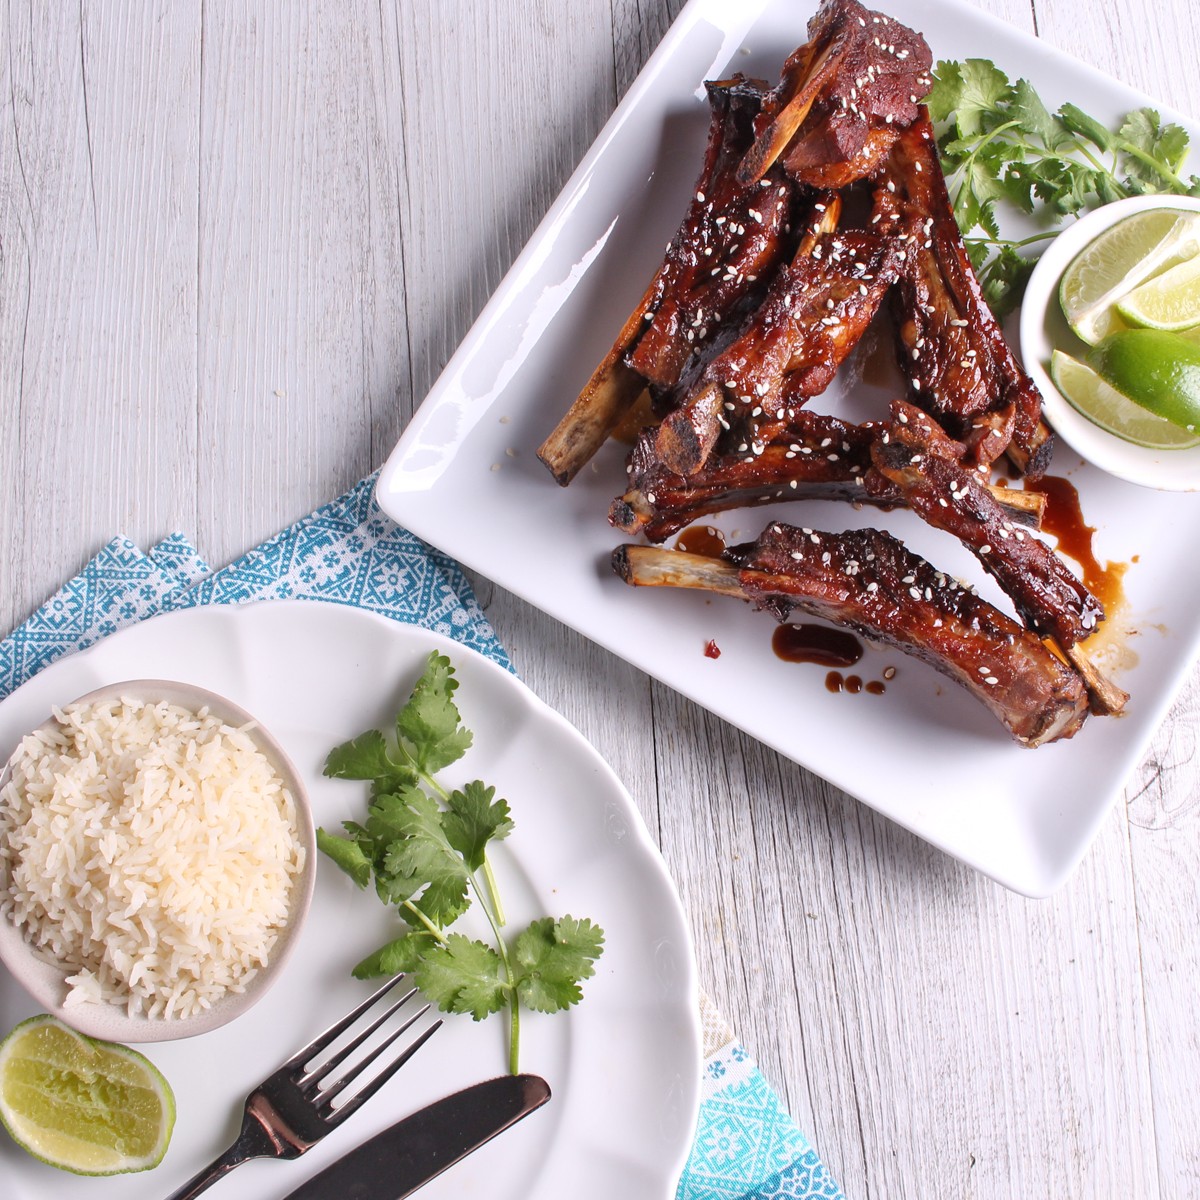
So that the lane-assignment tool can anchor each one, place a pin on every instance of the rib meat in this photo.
(817, 457)
(1049, 598)
(842, 98)
(722, 256)
(959, 367)
(814, 314)
(868, 581)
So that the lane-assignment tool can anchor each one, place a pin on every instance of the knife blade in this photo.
(394, 1163)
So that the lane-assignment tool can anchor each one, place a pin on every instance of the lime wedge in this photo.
(1168, 301)
(91, 1107)
(1122, 258)
(1160, 371)
(1085, 391)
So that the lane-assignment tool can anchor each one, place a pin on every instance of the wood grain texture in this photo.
(238, 243)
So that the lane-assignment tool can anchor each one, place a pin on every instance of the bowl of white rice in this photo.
(157, 859)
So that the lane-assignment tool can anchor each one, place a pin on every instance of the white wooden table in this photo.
(237, 244)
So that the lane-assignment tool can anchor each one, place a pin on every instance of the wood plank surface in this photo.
(237, 245)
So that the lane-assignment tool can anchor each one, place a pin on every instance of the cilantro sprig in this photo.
(426, 847)
(999, 143)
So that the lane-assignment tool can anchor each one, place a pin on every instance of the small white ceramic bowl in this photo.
(45, 982)
(1044, 329)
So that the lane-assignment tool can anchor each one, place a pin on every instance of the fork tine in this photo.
(337, 1116)
(355, 1070)
(336, 1060)
(338, 1027)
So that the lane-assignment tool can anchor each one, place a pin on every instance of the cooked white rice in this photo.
(150, 850)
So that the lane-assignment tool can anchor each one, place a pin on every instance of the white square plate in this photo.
(465, 477)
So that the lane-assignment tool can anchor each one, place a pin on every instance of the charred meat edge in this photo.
(841, 98)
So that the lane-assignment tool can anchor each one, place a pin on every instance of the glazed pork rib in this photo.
(843, 97)
(1051, 601)
(868, 581)
(817, 457)
(721, 258)
(815, 312)
(959, 367)
(1049, 598)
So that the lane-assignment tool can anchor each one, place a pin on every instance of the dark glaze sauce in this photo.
(701, 539)
(1063, 519)
(836, 682)
(816, 644)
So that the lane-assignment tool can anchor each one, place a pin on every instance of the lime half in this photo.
(1168, 301)
(1122, 258)
(1085, 391)
(87, 1106)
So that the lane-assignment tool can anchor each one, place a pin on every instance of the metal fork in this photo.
(292, 1109)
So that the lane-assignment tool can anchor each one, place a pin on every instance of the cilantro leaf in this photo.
(366, 757)
(429, 726)
(422, 854)
(1143, 129)
(1077, 121)
(402, 954)
(943, 96)
(348, 854)
(472, 820)
(1003, 279)
(555, 957)
(1035, 118)
(977, 90)
(462, 976)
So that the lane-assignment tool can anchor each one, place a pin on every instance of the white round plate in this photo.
(1044, 329)
(624, 1066)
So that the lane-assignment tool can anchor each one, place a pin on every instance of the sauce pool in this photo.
(816, 644)
(1063, 519)
(701, 539)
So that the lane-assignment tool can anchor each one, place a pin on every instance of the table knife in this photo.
(394, 1163)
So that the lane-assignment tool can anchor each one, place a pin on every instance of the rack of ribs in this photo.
(820, 208)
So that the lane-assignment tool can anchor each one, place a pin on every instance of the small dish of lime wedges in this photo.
(1110, 333)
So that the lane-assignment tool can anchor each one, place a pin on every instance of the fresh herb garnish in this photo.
(999, 142)
(426, 848)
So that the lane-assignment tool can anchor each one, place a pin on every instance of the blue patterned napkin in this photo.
(348, 552)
